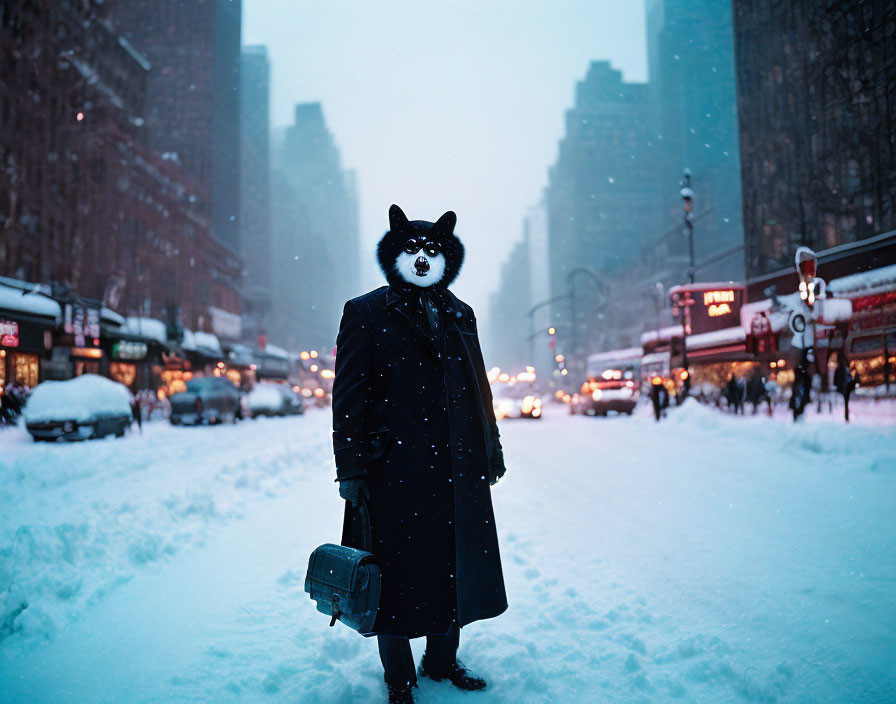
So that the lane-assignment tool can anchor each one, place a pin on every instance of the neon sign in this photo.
(718, 302)
(9, 333)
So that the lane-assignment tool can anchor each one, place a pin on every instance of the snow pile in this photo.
(80, 399)
(80, 520)
(264, 397)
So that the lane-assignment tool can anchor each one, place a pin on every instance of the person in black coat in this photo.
(415, 436)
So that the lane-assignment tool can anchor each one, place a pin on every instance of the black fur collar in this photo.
(400, 229)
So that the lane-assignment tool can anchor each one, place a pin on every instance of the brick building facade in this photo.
(83, 201)
(192, 106)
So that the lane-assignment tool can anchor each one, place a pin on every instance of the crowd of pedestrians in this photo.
(757, 390)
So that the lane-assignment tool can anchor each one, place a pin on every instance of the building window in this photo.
(25, 368)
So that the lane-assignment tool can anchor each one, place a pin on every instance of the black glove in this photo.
(353, 489)
(497, 468)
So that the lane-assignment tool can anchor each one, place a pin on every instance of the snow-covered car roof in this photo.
(83, 398)
(265, 397)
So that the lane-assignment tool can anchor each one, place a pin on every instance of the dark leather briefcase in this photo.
(345, 582)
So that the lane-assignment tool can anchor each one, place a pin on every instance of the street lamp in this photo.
(687, 195)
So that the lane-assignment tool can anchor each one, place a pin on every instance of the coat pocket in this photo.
(378, 441)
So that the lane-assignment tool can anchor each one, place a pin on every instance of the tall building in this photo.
(602, 194)
(508, 343)
(315, 233)
(600, 197)
(84, 202)
(255, 196)
(193, 103)
(817, 128)
(690, 51)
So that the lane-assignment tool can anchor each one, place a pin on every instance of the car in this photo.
(207, 400)
(270, 399)
(528, 406)
(86, 407)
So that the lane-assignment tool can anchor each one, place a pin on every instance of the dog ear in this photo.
(446, 223)
(397, 219)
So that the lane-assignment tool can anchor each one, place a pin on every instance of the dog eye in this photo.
(432, 248)
(411, 246)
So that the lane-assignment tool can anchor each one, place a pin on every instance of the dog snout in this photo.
(422, 264)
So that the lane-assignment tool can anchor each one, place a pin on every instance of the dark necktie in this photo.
(431, 311)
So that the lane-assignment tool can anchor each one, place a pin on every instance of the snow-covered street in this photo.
(706, 558)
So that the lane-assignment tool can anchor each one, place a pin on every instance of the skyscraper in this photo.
(602, 194)
(255, 196)
(193, 94)
(690, 53)
(315, 232)
(817, 129)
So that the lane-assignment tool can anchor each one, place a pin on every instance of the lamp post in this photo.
(687, 195)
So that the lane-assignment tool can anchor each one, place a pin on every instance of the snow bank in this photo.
(80, 520)
(706, 558)
(79, 399)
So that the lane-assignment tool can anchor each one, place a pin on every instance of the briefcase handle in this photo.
(366, 534)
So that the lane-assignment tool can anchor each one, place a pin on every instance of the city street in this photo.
(706, 558)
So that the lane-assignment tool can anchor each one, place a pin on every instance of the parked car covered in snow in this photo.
(209, 400)
(88, 406)
(270, 399)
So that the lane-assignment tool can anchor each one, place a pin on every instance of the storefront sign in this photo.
(9, 333)
(89, 352)
(718, 302)
(129, 350)
(81, 322)
(707, 307)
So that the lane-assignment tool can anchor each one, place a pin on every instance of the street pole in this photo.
(687, 195)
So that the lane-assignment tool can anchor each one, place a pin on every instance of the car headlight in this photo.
(596, 395)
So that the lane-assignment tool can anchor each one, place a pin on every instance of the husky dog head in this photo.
(420, 253)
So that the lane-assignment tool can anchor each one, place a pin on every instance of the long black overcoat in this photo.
(412, 413)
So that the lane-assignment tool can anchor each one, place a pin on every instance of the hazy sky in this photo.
(444, 105)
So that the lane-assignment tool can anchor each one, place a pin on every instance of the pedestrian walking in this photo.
(734, 392)
(659, 397)
(850, 382)
(755, 389)
(800, 394)
(415, 440)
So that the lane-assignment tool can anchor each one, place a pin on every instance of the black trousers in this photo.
(398, 661)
